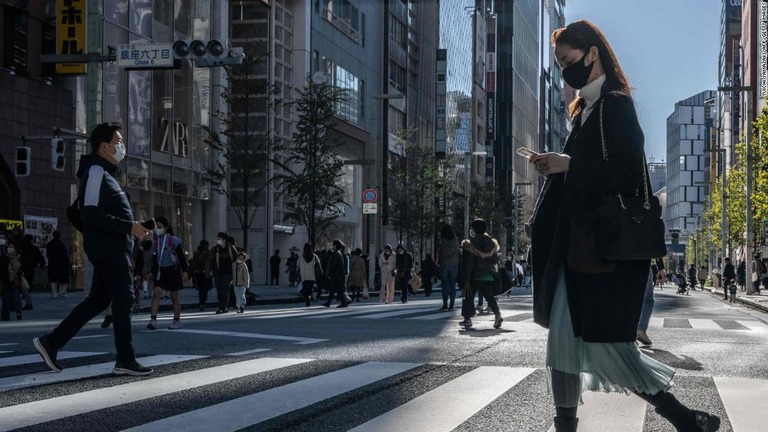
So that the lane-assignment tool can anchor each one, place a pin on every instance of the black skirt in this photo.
(169, 278)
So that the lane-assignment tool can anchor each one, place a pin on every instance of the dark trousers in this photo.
(11, 300)
(203, 284)
(306, 290)
(402, 284)
(222, 290)
(274, 277)
(112, 282)
(484, 288)
(338, 289)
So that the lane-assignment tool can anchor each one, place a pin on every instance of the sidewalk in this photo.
(755, 301)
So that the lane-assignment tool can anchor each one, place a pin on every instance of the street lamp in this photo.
(748, 90)
(517, 213)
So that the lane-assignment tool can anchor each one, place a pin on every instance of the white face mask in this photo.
(11, 251)
(3, 242)
(240, 261)
(119, 152)
(220, 242)
(159, 231)
(400, 252)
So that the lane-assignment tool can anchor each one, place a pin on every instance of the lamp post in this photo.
(723, 222)
(748, 90)
(517, 215)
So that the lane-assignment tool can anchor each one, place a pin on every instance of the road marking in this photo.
(347, 313)
(253, 351)
(745, 401)
(91, 336)
(75, 373)
(704, 324)
(398, 312)
(35, 358)
(5, 352)
(436, 316)
(458, 399)
(249, 410)
(754, 325)
(8, 344)
(32, 413)
(610, 412)
(298, 340)
(656, 322)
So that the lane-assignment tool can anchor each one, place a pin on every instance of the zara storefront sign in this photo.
(145, 56)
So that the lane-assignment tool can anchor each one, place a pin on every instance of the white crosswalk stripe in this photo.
(460, 392)
(35, 358)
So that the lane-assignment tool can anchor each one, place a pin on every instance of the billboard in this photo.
(71, 20)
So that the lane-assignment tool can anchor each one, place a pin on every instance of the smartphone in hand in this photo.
(149, 224)
(525, 152)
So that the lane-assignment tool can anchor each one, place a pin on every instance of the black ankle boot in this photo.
(566, 424)
(685, 419)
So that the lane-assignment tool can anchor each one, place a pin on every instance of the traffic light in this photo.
(23, 161)
(208, 54)
(58, 154)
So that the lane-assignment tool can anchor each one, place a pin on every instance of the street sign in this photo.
(369, 208)
(145, 56)
(370, 196)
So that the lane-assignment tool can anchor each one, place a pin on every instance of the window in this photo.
(345, 16)
(398, 32)
(397, 76)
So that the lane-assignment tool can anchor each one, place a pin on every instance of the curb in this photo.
(742, 300)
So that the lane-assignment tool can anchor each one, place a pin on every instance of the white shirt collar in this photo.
(591, 92)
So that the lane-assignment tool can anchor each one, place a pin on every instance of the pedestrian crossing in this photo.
(429, 311)
(254, 392)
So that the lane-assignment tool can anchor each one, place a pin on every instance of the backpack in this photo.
(73, 215)
(170, 247)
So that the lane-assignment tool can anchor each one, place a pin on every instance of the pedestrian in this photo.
(224, 255)
(692, 273)
(655, 270)
(108, 230)
(757, 270)
(732, 288)
(592, 306)
(357, 273)
(428, 270)
(31, 259)
(387, 266)
(741, 275)
(403, 268)
(662, 278)
(321, 284)
(449, 265)
(479, 257)
(274, 268)
(293, 269)
(335, 275)
(11, 278)
(729, 276)
(645, 313)
(169, 270)
(59, 266)
(309, 262)
(241, 280)
(200, 267)
(144, 260)
(764, 274)
(702, 275)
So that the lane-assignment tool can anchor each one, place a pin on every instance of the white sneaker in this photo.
(175, 325)
(152, 324)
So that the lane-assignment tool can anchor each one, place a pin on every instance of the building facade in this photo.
(517, 108)
(688, 136)
(553, 117)
(728, 121)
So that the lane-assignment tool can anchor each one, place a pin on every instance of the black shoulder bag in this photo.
(631, 227)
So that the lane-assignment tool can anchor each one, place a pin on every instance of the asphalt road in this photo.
(369, 367)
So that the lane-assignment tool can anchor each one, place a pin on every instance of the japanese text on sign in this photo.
(70, 33)
(144, 56)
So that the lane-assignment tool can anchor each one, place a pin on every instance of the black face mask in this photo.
(577, 74)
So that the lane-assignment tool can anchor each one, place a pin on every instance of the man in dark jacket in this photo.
(403, 268)
(729, 274)
(58, 266)
(274, 268)
(692, 277)
(108, 230)
(335, 275)
(479, 256)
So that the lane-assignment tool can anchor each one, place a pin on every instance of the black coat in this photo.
(604, 307)
(58, 262)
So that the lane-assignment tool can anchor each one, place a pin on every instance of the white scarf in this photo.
(591, 93)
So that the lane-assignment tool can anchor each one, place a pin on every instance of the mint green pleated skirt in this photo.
(608, 367)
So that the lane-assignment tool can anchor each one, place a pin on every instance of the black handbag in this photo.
(503, 281)
(630, 227)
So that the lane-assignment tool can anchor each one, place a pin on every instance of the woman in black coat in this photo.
(592, 306)
(59, 266)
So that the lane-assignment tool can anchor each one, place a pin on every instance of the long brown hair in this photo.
(583, 35)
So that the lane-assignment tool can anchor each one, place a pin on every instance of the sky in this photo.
(668, 49)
